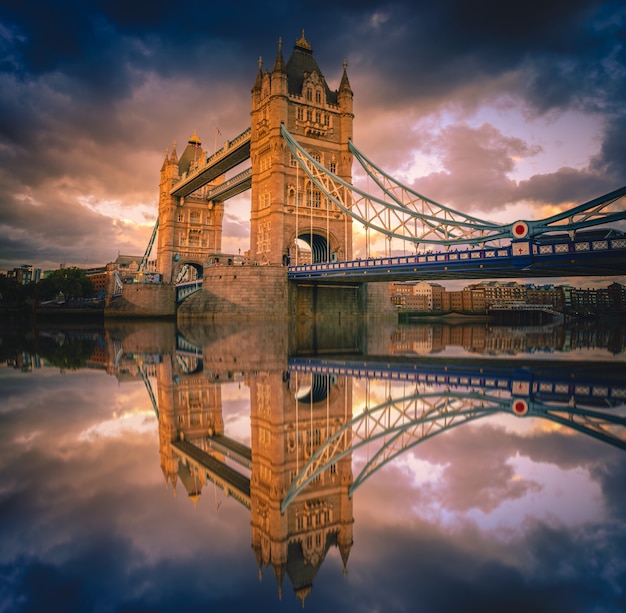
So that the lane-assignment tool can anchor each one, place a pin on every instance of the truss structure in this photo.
(405, 214)
(400, 423)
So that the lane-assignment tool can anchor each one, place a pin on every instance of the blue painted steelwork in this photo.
(144, 260)
(441, 396)
(539, 257)
(405, 214)
(183, 290)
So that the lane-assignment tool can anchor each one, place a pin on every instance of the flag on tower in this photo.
(218, 130)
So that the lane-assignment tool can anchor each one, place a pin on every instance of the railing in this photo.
(518, 252)
(220, 153)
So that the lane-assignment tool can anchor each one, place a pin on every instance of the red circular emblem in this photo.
(520, 407)
(520, 229)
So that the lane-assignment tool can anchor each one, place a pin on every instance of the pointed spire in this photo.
(279, 64)
(259, 76)
(174, 156)
(344, 86)
(163, 168)
(302, 593)
(279, 573)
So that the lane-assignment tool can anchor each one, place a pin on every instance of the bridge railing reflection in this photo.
(422, 400)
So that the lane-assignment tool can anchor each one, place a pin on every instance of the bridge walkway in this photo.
(233, 483)
(231, 449)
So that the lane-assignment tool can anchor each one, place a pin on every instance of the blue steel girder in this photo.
(605, 427)
(183, 290)
(399, 425)
(146, 255)
(146, 381)
(422, 412)
(591, 213)
(412, 217)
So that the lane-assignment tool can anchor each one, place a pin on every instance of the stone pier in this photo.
(144, 300)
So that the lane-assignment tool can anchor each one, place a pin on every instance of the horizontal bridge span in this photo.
(558, 380)
(232, 154)
(233, 483)
(520, 259)
(231, 449)
(231, 188)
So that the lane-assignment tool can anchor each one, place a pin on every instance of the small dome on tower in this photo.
(194, 139)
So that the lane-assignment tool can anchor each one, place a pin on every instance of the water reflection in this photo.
(329, 407)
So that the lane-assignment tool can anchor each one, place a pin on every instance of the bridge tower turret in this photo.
(167, 213)
(285, 205)
(190, 228)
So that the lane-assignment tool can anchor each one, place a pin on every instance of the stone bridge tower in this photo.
(291, 417)
(285, 206)
(190, 228)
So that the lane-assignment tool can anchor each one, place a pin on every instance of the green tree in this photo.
(10, 292)
(71, 282)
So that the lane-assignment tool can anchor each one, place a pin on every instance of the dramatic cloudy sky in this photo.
(497, 514)
(504, 110)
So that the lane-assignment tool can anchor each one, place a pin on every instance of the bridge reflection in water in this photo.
(314, 418)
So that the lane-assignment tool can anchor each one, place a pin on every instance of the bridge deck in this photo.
(519, 260)
(232, 449)
(230, 155)
(226, 477)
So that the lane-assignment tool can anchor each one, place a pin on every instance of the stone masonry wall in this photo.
(144, 300)
(240, 292)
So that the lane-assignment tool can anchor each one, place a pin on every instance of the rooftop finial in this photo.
(303, 43)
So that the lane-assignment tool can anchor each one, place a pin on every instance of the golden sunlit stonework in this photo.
(286, 206)
(290, 419)
(190, 228)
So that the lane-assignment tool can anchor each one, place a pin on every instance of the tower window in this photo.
(318, 96)
(309, 94)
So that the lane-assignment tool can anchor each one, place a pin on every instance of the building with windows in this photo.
(25, 274)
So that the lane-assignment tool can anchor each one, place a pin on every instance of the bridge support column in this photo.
(239, 292)
(337, 301)
(144, 300)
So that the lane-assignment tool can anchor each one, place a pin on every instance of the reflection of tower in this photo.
(284, 205)
(290, 419)
(190, 408)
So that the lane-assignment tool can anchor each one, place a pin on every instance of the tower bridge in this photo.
(315, 436)
(301, 153)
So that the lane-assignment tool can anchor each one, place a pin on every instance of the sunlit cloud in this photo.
(141, 422)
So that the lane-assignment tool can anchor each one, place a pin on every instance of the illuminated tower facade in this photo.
(190, 228)
(285, 205)
(290, 419)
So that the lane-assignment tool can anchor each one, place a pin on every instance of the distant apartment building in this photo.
(480, 297)
(548, 295)
(100, 279)
(424, 296)
(500, 292)
(25, 274)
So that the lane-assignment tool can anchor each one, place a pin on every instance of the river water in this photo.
(348, 467)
